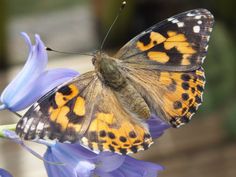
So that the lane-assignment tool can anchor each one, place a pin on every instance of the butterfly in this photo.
(157, 72)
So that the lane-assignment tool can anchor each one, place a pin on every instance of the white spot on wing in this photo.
(24, 119)
(190, 14)
(196, 29)
(198, 17)
(175, 21)
(84, 141)
(180, 24)
(39, 127)
(199, 22)
(32, 128)
(27, 126)
(203, 59)
(170, 19)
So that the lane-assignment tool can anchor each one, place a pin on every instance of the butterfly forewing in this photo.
(176, 44)
(61, 114)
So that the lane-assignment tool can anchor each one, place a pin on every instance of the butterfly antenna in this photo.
(17, 114)
(109, 30)
(53, 50)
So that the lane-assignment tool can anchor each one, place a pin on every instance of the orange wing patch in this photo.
(63, 95)
(153, 39)
(160, 57)
(106, 134)
(67, 117)
(183, 95)
(158, 47)
(79, 108)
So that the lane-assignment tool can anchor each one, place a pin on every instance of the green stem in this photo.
(6, 127)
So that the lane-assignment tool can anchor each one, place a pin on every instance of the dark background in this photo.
(206, 147)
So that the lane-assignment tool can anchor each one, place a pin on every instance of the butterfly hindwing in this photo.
(113, 128)
(173, 96)
(176, 44)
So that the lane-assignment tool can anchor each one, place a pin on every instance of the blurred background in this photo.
(206, 147)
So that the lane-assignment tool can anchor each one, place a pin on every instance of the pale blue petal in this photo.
(157, 126)
(76, 150)
(15, 138)
(43, 84)
(4, 173)
(56, 170)
(2, 107)
(81, 162)
(104, 160)
(74, 165)
(84, 168)
(35, 65)
(137, 168)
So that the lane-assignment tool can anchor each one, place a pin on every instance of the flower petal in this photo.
(2, 107)
(157, 126)
(84, 168)
(138, 168)
(75, 164)
(35, 65)
(42, 85)
(56, 170)
(104, 161)
(76, 150)
(14, 137)
(4, 173)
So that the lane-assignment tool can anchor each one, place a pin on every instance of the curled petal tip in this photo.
(27, 39)
(38, 41)
(37, 36)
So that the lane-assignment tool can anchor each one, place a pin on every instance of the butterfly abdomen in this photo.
(133, 101)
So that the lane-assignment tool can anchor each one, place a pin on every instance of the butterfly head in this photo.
(101, 60)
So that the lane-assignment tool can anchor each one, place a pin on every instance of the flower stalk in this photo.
(11, 127)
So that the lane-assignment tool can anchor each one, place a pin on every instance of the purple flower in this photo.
(157, 126)
(74, 160)
(4, 173)
(81, 162)
(33, 81)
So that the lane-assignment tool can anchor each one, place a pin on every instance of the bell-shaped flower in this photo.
(82, 162)
(74, 160)
(33, 81)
